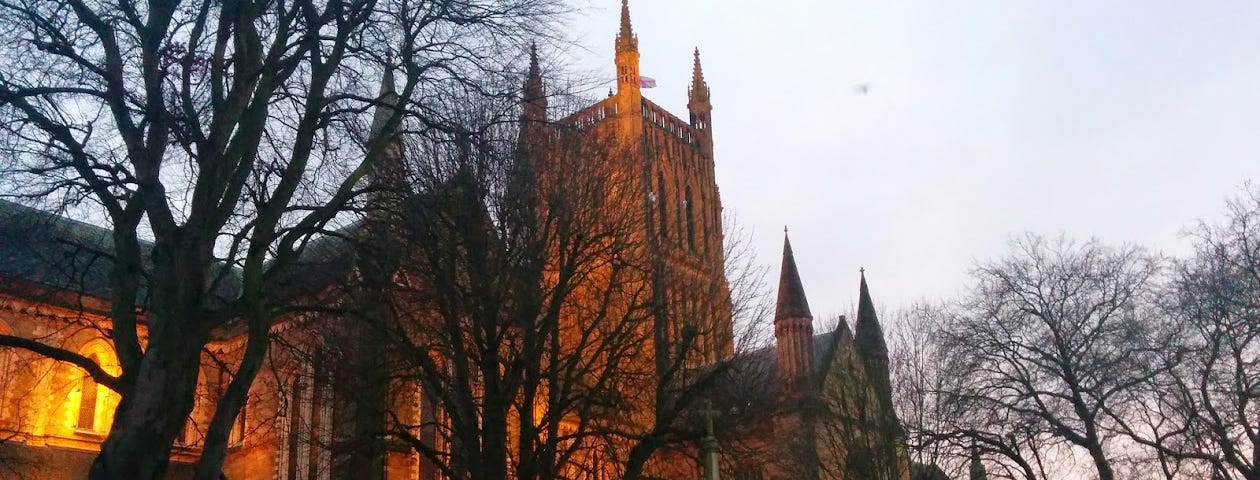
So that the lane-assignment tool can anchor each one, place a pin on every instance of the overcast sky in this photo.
(1124, 120)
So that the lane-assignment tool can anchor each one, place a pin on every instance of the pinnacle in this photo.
(697, 73)
(842, 328)
(791, 302)
(698, 93)
(534, 95)
(626, 40)
(626, 29)
(387, 80)
(533, 79)
(387, 98)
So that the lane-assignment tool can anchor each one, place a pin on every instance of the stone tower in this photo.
(669, 162)
(793, 329)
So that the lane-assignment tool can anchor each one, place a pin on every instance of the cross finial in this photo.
(785, 229)
(862, 270)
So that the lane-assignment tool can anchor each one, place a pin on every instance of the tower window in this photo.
(295, 428)
(678, 195)
(691, 227)
(661, 204)
(704, 232)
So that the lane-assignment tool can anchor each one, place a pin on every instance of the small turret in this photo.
(793, 328)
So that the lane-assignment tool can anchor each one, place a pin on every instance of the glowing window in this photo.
(89, 397)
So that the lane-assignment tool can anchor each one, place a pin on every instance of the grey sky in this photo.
(1125, 120)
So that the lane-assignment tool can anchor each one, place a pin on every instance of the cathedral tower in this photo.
(670, 162)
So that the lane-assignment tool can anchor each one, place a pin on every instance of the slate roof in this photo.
(54, 251)
(50, 250)
(325, 260)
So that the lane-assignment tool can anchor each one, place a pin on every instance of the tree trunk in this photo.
(147, 422)
(1101, 463)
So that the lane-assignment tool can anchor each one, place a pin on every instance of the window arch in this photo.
(691, 224)
(95, 409)
(704, 229)
(89, 396)
(307, 454)
(661, 203)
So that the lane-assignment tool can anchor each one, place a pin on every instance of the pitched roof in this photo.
(54, 251)
(49, 250)
(325, 260)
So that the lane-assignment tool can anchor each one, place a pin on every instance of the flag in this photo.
(647, 82)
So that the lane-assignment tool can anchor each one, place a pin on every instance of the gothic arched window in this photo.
(661, 203)
(88, 399)
(691, 226)
(96, 403)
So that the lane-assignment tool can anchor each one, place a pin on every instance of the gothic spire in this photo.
(793, 330)
(791, 302)
(868, 339)
(534, 96)
(698, 101)
(699, 92)
(388, 171)
(626, 40)
(387, 102)
(868, 334)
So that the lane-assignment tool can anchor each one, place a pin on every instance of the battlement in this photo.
(591, 115)
(652, 113)
(670, 123)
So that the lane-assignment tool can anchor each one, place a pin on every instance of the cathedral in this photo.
(809, 406)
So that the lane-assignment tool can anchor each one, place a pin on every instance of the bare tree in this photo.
(919, 382)
(944, 427)
(510, 301)
(1201, 415)
(226, 132)
(1050, 340)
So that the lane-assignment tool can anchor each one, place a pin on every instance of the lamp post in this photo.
(709, 445)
